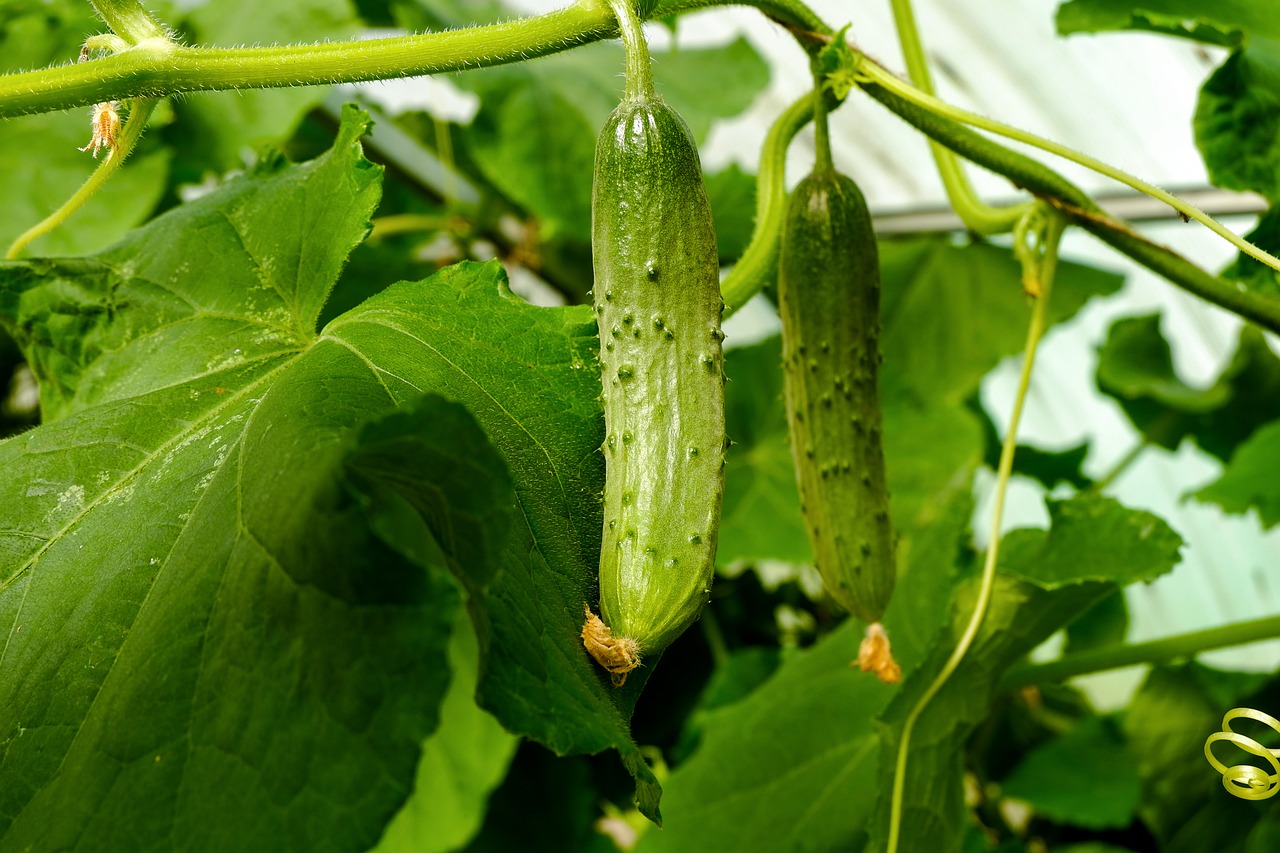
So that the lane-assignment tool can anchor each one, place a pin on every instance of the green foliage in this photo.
(461, 764)
(1135, 366)
(1238, 119)
(927, 283)
(1084, 778)
(296, 557)
(1249, 479)
(1224, 22)
(1091, 538)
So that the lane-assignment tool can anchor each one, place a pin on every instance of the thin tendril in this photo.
(1048, 264)
(1247, 781)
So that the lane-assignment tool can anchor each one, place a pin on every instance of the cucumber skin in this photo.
(829, 299)
(658, 308)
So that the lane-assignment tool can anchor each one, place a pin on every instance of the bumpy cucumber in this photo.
(829, 299)
(658, 307)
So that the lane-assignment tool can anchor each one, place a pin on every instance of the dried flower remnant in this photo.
(106, 128)
(874, 655)
(618, 655)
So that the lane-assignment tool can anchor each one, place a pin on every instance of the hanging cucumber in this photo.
(829, 299)
(658, 308)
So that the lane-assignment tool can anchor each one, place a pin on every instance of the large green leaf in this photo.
(1021, 616)
(1083, 778)
(1091, 538)
(1222, 22)
(267, 636)
(1135, 366)
(952, 312)
(460, 765)
(793, 766)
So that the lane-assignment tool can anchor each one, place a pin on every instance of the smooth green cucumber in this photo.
(658, 308)
(829, 299)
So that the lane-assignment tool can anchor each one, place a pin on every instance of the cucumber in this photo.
(829, 300)
(658, 308)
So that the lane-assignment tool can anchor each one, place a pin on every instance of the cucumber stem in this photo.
(1053, 236)
(639, 64)
(822, 132)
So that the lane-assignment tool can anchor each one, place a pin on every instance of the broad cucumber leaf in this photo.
(1091, 538)
(1135, 366)
(215, 622)
(794, 765)
(1222, 22)
(1085, 778)
(1237, 120)
(1021, 616)
(950, 313)
(461, 764)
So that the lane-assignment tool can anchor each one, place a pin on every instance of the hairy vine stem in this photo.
(1043, 276)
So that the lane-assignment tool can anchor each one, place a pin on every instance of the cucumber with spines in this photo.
(658, 308)
(829, 301)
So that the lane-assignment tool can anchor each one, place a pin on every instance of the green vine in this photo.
(1133, 654)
